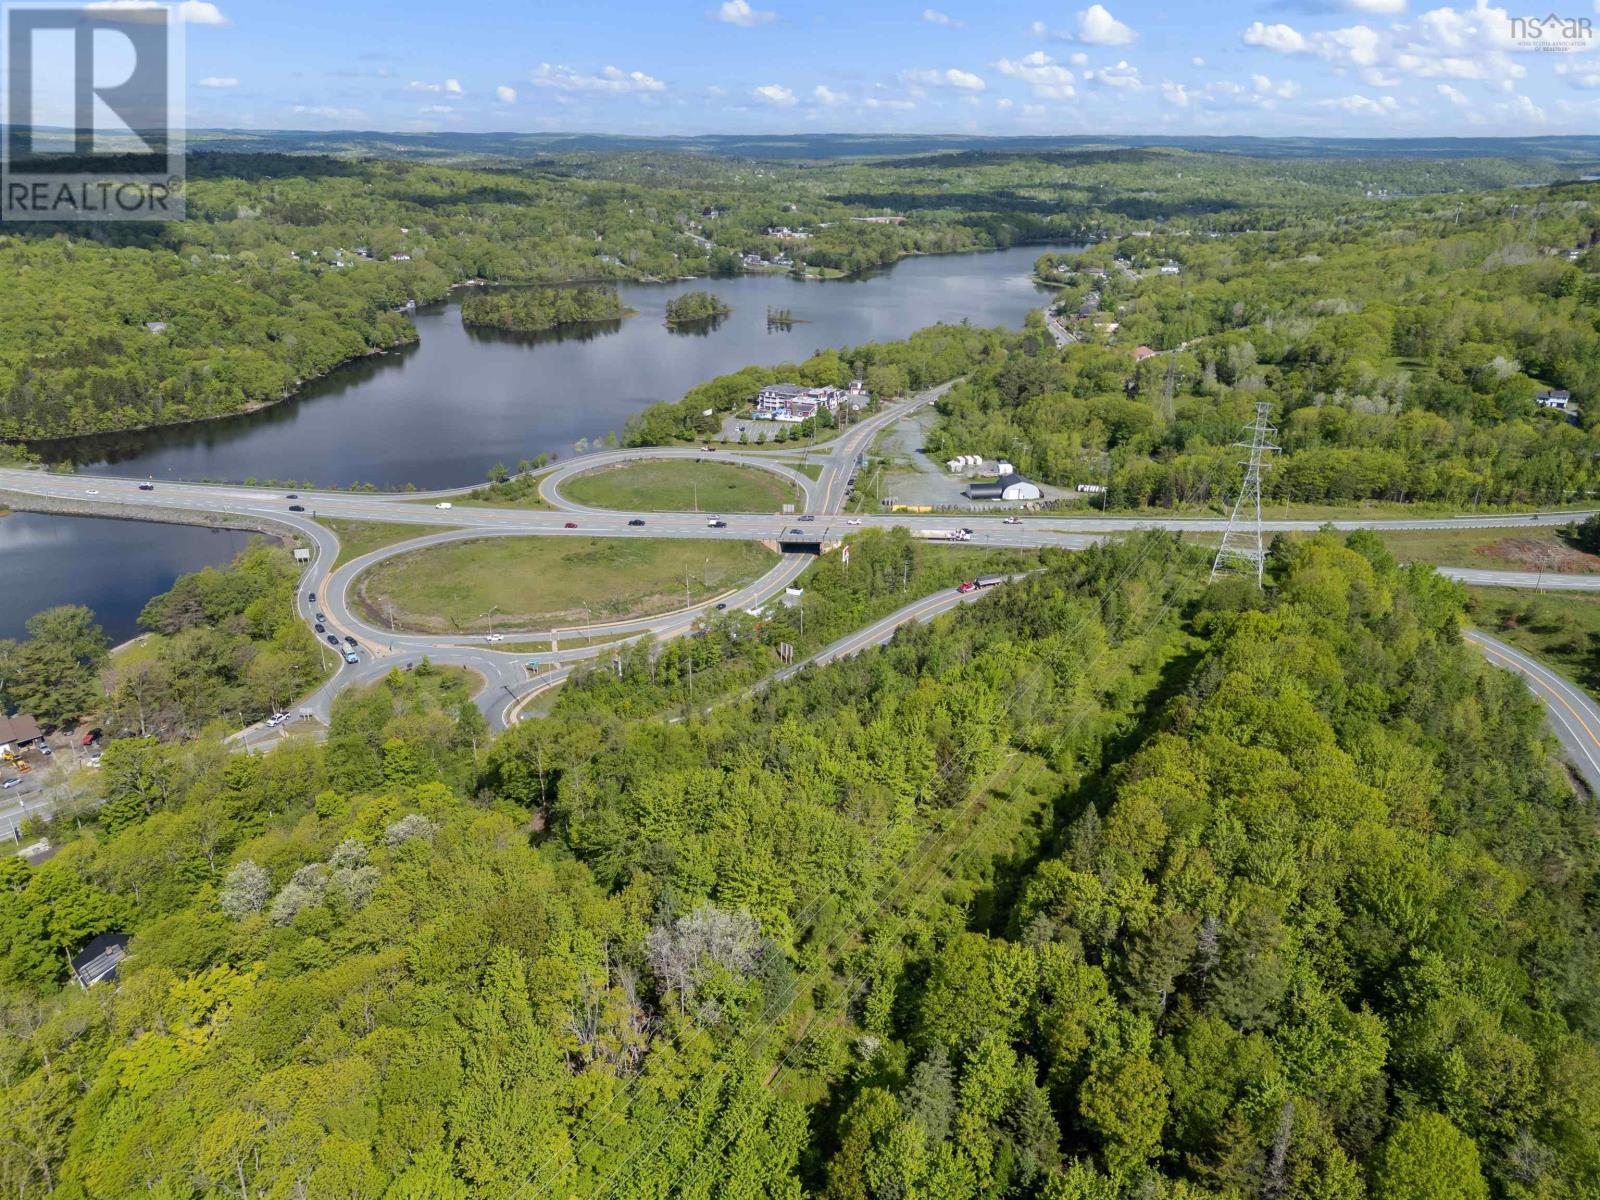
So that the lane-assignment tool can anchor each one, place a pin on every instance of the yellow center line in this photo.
(1541, 685)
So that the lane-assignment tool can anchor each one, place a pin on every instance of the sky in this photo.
(1359, 68)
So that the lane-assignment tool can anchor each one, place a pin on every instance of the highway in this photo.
(509, 683)
(1573, 717)
(1545, 581)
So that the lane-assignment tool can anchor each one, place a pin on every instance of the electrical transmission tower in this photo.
(1242, 548)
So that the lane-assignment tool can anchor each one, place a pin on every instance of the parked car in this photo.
(93, 762)
(45, 750)
(11, 783)
(297, 508)
(88, 738)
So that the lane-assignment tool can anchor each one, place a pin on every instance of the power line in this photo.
(1242, 548)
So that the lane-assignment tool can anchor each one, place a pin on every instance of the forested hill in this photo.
(1104, 887)
(290, 265)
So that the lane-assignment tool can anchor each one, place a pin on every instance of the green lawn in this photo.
(362, 537)
(535, 583)
(1561, 628)
(682, 485)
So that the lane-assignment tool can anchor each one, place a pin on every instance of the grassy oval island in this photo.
(682, 485)
(538, 583)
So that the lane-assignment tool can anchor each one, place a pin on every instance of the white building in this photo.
(1556, 398)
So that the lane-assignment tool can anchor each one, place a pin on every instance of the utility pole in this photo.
(1242, 548)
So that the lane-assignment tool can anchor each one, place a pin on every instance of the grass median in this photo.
(681, 485)
(542, 583)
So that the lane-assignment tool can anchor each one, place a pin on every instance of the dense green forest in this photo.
(1108, 886)
(290, 264)
(528, 310)
(695, 306)
(1401, 355)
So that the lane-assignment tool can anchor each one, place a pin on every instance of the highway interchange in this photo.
(510, 684)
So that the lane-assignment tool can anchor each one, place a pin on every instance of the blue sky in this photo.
(1332, 67)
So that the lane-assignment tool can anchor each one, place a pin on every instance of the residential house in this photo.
(1557, 398)
(98, 961)
(1142, 353)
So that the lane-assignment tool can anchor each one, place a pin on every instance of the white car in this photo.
(91, 491)
(1012, 521)
(853, 521)
(444, 504)
(93, 762)
(494, 637)
(11, 783)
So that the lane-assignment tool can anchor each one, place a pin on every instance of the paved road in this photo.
(1573, 716)
(1547, 581)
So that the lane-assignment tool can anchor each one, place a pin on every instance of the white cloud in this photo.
(1197, 61)
(1365, 106)
(964, 81)
(1175, 93)
(1124, 75)
(219, 81)
(888, 102)
(934, 17)
(506, 95)
(739, 12)
(1382, 8)
(1048, 79)
(775, 94)
(190, 12)
(452, 86)
(1285, 89)
(1098, 27)
(1455, 95)
(1285, 39)
(610, 79)
(435, 108)
(826, 95)
(1078, 58)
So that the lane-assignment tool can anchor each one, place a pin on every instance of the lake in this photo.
(112, 566)
(440, 413)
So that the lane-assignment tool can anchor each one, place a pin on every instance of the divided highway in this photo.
(1573, 717)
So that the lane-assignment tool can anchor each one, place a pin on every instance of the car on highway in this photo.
(350, 640)
(444, 504)
(721, 604)
(636, 521)
(292, 496)
(570, 525)
(320, 628)
(147, 487)
(1012, 521)
(322, 618)
(10, 783)
(350, 656)
(853, 521)
(311, 596)
(808, 517)
(717, 524)
(332, 641)
(798, 530)
(494, 637)
(297, 508)
(966, 586)
(91, 491)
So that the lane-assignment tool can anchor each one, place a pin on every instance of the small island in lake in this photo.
(695, 306)
(533, 310)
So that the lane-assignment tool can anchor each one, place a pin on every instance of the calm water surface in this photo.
(112, 566)
(439, 413)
